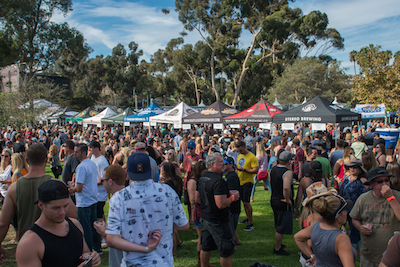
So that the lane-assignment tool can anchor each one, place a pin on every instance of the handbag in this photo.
(262, 175)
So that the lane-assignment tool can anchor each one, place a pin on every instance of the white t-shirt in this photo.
(86, 174)
(101, 163)
(5, 176)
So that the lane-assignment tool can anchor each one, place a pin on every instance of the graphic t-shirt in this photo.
(247, 161)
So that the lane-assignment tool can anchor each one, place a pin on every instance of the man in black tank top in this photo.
(54, 239)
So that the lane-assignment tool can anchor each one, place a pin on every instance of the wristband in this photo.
(189, 157)
(233, 198)
(390, 198)
(147, 249)
(312, 256)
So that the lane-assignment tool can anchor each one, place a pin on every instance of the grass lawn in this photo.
(257, 245)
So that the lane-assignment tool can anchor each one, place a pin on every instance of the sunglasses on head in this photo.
(387, 180)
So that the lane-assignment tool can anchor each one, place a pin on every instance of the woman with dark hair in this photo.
(390, 157)
(314, 175)
(351, 189)
(368, 160)
(330, 247)
(175, 182)
(339, 169)
(380, 154)
(394, 168)
(198, 170)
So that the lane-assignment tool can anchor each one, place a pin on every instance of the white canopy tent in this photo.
(175, 115)
(108, 112)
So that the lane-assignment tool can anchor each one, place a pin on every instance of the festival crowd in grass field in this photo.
(135, 189)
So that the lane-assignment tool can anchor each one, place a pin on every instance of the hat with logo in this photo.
(376, 172)
(52, 190)
(94, 144)
(286, 156)
(138, 167)
(191, 144)
(229, 160)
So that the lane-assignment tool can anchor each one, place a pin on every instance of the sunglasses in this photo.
(190, 147)
(387, 180)
(6, 156)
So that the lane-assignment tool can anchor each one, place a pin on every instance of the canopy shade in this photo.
(88, 112)
(211, 114)
(63, 113)
(119, 118)
(144, 115)
(107, 112)
(258, 113)
(174, 115)
(317, 110)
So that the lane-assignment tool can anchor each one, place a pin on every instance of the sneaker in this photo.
(104, 243)
(281, 252)
(249, 227)
(99, 251)
(244, 221)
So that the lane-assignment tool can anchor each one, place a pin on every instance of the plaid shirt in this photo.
(299, 157)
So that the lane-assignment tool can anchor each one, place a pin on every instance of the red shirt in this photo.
(187, 167)
(298, 157)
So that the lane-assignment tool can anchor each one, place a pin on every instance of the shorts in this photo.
(197, 224)
(234, 218)
(364, 262)
(100, 209)
(283, 222)
(217, 236)
(245, 192)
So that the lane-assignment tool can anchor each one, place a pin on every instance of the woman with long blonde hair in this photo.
(19, 166)
(5, 171)
(54, 161)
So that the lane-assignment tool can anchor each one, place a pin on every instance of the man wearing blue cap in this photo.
(142, 210)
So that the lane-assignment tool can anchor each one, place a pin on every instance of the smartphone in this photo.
(88, 263)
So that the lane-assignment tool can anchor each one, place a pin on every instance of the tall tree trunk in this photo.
(213, 75)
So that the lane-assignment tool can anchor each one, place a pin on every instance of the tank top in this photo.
(276, 177)
(61, 250)
(26, 196)
(323, 242)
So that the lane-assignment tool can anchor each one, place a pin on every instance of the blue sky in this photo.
(105, 23)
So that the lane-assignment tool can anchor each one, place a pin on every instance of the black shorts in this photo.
(100, 209)
(245, 192)
(283, 222)
(234, 218)
(217, 236)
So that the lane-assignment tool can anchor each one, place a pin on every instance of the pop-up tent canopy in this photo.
(144, 115)
(258, 113)
(174, 115)
(88, 112)
(107, 112)
(317, 110)
(211, 114)
(62, 114)
(119, 118)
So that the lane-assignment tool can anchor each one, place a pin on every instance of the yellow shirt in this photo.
(247, 161)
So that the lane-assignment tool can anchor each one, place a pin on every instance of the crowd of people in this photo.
(346, 199)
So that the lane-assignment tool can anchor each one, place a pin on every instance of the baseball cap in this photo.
(316, 165)
(226, 132)
(286, 156)
(216, 147)
(229, 160)
(94, 144)
(52, 190)
(138, 167)
(191, 144)
(140, 145)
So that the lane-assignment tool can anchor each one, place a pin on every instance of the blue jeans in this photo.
(266, 183)
(86, 216)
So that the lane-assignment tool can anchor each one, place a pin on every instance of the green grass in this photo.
(257, 245)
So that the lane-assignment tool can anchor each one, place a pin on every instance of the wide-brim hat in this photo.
(356, 162)
(376, 172)
(314, 191)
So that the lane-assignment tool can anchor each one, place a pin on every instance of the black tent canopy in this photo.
(211, 114)
(317, 110)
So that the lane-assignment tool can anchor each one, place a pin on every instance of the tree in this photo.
(309, 77)
(279, 32)
(379, 80)
(217, 28)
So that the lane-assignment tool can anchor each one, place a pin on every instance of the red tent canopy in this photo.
(258, 113)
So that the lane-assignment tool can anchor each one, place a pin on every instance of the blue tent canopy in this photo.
(144, 115)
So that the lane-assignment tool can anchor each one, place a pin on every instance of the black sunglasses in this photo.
(387, 180)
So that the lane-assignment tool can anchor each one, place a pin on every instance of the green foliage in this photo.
(310, 77)
(379, 79)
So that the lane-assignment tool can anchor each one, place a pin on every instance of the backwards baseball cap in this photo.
(138, 167)
(229, 160)
(52, 190)
(94, 144)
(191, 144)
(140, 145)
(316, 165)
(286, 156)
